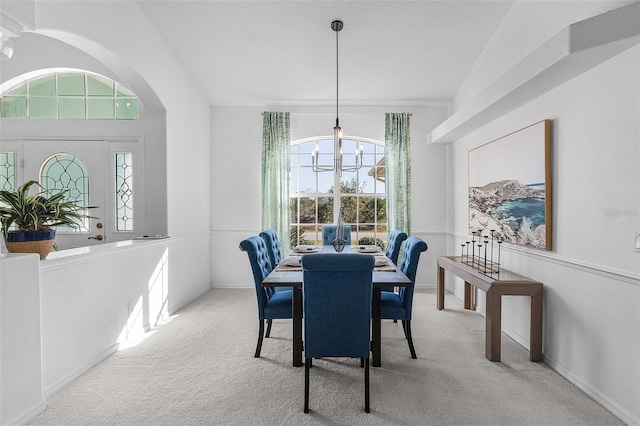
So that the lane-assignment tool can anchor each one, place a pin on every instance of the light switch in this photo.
(638, 243)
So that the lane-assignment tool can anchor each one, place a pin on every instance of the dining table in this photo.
(291, 275)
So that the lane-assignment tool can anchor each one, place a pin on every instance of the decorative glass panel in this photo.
(127, 108)
(43, 86)
(7, 171)
(99, 86)
(124, 191)
(13, 107)
(100, 108)
(43, 108)
(67, 172)
(71, 85)
(71, 107)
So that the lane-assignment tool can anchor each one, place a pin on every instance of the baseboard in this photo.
(78, 372)
(27, 415)
(620, 412)
(191, 299)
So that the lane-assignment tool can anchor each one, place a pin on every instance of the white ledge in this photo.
(576, 49)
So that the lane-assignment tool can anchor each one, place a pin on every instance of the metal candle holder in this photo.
(483, 260)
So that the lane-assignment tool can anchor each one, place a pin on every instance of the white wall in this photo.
(237, 150)
(592, 276)
(102, 282)
(20, 349)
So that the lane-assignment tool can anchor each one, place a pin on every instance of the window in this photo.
(7, 171)
(124, 191)
(318, 198)
(67, 172)
(70, 95)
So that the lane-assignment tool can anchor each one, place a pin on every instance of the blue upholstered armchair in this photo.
(273, 246)
(271, 305)
(337, 292)
(399, 306)
(329, 233)
(396, 238)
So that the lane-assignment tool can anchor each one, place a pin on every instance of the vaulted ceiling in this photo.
(282, 52)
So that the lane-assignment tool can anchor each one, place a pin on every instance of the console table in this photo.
(506, 283)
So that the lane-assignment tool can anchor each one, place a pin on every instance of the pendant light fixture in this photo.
(337, 130)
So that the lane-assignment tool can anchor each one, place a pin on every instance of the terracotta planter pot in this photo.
(40, 242)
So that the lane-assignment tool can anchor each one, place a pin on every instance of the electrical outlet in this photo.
(638, 243)
(130, 306)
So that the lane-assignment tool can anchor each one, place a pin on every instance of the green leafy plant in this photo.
(39, 212)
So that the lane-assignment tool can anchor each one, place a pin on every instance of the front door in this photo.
(80, 166)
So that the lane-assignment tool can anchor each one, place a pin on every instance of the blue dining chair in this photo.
(399, 306)
(337, 292)
(396, 237)
(271, 304)
(329, 233)
(273, 246)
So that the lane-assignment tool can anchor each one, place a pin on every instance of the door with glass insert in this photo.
(82, 168)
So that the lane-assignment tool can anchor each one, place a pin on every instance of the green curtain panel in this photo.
(397, 139)
(276, 137)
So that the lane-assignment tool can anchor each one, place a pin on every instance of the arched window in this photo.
(67, 172)
(318, 197)
(69, 94)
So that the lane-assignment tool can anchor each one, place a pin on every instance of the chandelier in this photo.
(337, 165)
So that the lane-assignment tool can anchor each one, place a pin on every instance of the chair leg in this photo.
(307, 364)
(260, 334)
(409, 339)
(362, 362)
(367, 408)
(269, 321)
(404, 328)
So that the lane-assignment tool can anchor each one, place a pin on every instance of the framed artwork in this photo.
(510, 187)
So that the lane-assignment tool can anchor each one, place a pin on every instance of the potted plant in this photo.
(28, 220)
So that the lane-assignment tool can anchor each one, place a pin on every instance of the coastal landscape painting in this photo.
(510, 187)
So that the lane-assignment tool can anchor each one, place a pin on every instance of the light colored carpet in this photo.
(198, 369)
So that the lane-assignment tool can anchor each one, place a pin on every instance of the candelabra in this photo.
(481, 256)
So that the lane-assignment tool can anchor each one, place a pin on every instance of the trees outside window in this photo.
(318, 198)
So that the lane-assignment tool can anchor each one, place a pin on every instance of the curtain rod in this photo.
(331, 114)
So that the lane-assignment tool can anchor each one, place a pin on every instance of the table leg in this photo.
(297, 327)
(493, 325)
(440, 288)
(468, 296)
(535, 334)
(376, 313)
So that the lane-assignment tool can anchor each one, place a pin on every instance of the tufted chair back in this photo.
(257, 251)
(413, 247)
(273, 246)
(396, 237)
(329, 233)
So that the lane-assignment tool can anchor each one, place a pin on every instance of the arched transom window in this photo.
(70, 95)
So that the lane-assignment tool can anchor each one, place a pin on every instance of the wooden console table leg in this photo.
(440, 288)
(535, 334)
(468, 296)
(493, 325)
